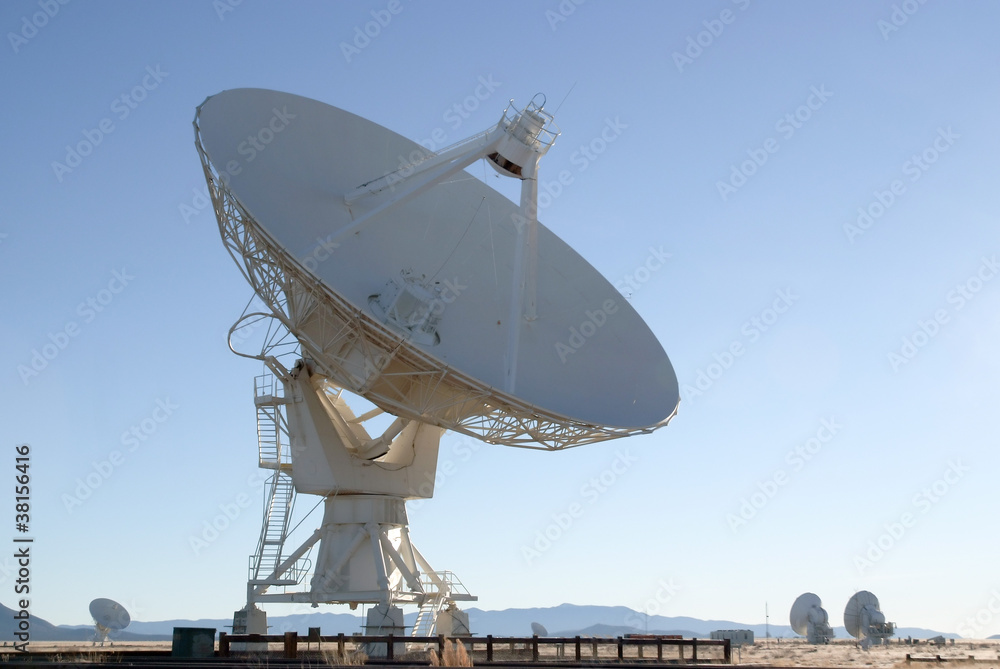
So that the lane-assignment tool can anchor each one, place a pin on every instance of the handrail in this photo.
(291, 640)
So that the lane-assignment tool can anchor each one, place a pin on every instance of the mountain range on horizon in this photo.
(563, 620)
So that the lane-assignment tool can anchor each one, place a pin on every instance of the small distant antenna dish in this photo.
(809, 619)
(864, 620)
(538, 629)
(109, 616)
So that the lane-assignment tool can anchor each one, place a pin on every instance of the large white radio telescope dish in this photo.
(109, 616)
(397, 276)
(809, 619)
(412, 296)
(864, 619)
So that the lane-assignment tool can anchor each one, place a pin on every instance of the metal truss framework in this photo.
(365, 357)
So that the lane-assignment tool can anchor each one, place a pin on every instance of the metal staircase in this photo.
(427, 615)
(272, 429)
(274, 454)
(441, 588)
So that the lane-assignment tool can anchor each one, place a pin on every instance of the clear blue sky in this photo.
(749, 140)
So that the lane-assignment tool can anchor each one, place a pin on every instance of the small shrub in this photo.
(454, 655)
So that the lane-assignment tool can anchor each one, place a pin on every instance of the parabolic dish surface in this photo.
(799, 615)
(854, 612)
(109, 614)
(588, 356)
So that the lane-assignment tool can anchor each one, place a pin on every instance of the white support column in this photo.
(330, 575)
(381, 573)
(523, 304)
(408, 574)
(423, 177)
(476, 143)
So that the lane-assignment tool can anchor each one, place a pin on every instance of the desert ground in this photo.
(846, 653)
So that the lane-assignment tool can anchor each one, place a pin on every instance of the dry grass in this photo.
(348, 658)
(454, 655)
(256, 660)
(86, 657)
(846, 653)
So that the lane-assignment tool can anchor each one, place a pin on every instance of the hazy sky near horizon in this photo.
(823, 177)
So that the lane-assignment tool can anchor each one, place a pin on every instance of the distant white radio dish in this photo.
(109, 616)
(809, 619)
(538, 629)
(864, 619)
